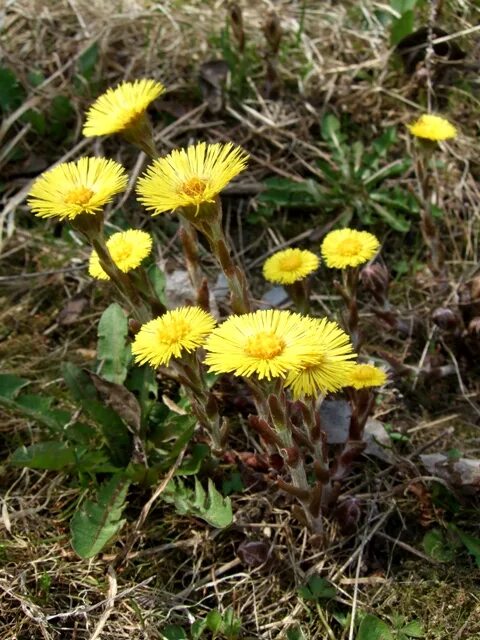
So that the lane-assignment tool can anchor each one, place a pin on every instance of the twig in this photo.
(110, 603)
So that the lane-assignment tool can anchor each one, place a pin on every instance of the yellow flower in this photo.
(366, 375)
(432, 128)
(267, 343)
(78, 187)
(166, 337)
(121, 108)
(290, 265)
(348, 248)
(127, 249)
(332, 365)
(190, 177)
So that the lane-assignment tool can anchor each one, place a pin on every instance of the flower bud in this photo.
(375, 279)
(273, 32)
(474, 326)
(445, 319)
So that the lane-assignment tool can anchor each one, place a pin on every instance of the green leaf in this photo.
(60, 115)
(283, 192)
(112, 345)
(142, 382)
(402, 27)
(94, 524)
(413, 630)
(214, 621)
(395, 220)
(197, 629)
(295, 633)
(159, 282)
(35, 78)
(88, 60)
(210, 506)
(317, 588)
(330, 127)
(401, 6)
(36, 119)
(32, 406)
(436, 546)
(174, 632)
(471, 543)
(10, 385)
(372, 628)
(231, 624)
(44, 455)
(191, 465)
(11, 91)
(114, 430)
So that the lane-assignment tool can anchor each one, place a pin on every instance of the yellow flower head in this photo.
(121, 108)
(127, 249)
(366, 375)
(267, 343)
(190, 177)
(72, 188)
(348, 248)
(290, 265)
(166, 337)
(332, 365)
(432, 127)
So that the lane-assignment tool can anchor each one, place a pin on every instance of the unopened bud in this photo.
(273, 32)
(474, 326)
(203, 296)
(236, 19)
(374, 278)
(134, 326)
(211, 407)
(445, 319)
(475, 288)
(276, 411)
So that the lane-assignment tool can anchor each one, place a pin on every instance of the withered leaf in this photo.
(120, 399)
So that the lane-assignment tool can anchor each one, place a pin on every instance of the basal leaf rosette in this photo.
(127, 249)
(171, 335)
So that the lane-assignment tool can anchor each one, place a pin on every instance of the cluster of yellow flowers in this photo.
(311, 355)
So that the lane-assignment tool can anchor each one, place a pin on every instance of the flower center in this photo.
(291, 263)
(194, 187)
(122, 252)
(349, 247)
(363, 373)
(264, 345)
(174, 333)
(80, 196)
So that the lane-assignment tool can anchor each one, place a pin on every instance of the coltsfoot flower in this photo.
(431, 127)
(366, 375)
(120, 109)
(333, 363)
(348, 248)
(167, 337)
(290, 265)
(267, 344)
(73, 188)
(127, 249)
(190, 177)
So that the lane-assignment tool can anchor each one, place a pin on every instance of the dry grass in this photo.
(335, 56)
